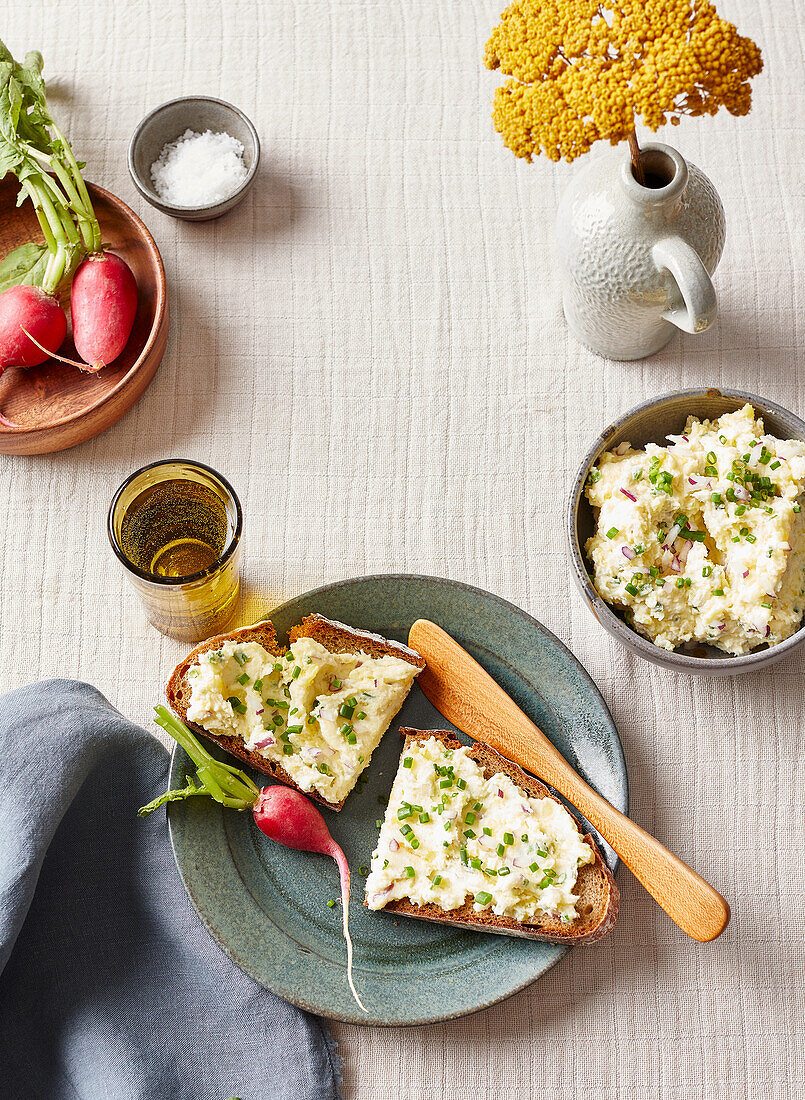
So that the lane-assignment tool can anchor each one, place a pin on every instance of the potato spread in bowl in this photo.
(704, 540)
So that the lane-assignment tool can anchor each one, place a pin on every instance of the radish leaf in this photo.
(25, 265)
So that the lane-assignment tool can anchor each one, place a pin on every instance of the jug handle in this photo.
(684, 265)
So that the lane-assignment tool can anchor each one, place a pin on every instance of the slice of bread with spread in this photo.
(470, 839)
(310, 715)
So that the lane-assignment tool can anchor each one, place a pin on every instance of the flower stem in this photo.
(637, 163)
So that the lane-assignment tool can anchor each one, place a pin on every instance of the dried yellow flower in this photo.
(582, 70)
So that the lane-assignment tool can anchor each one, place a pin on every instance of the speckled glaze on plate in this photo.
(267, 906)
(651, 422)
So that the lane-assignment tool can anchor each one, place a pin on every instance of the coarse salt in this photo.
(199, 169)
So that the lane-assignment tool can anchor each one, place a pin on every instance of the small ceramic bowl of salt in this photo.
(194, 158)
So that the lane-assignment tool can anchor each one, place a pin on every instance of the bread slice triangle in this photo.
(597, 891)
(334, 636)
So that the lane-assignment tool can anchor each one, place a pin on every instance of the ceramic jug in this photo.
(636, 260)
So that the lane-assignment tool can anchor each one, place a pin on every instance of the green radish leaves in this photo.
(25, 265)
(37, 153)
(223, 782)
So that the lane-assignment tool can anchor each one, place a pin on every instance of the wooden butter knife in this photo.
(468, 697)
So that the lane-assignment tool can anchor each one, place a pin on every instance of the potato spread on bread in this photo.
(450, 834)
(704, 540)
(319, 715)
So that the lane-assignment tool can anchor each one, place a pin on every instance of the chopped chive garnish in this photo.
(296, 672)
(378, 822)
(414, 842)
(408, 761)
(294, 729)
(487, 831)
(352, 739)
(534, 867)
(524, 837)
(470, 818)
(345, 730)
(470, 833)
(630, 588)
(483, 897)
(612, 532)
(323, 769)
(409, 872)
(445, 783)
(406, 829)
(363, 870)
(476, 863)
(244, 678)
(501, 849)
(508, 838)
(424, 817)
(287, 749)
(718, 591)
(335, 685)
(707, 571)
(437, 880)
(461, 783)
(505, 871)
(258, 685)
(331, 903)
(360, 717)
(346, 711)
(240, 657)
(236, 704)
(797, 508)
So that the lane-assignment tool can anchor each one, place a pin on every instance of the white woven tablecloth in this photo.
(372, 349)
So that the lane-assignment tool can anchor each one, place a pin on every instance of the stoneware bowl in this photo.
(168, 122)
(651, 423)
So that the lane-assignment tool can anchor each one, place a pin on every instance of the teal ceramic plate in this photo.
(267, 906)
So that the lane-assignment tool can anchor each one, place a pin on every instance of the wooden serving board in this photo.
(57, 406)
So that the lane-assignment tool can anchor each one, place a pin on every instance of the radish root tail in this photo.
(92, 368)
(343, 868)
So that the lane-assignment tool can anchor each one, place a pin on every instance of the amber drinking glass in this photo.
(175, 526)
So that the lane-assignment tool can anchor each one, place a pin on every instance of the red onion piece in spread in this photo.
(628, 552)
(629, 495)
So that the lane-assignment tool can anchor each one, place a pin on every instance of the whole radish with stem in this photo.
(104, 294)
(282, 814)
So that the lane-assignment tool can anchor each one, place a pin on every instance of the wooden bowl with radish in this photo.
(54, 405)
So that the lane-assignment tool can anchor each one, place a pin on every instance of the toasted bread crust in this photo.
(340, 638)
(598, 894)
(335, 636)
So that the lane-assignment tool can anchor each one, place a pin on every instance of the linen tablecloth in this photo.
(372, 349)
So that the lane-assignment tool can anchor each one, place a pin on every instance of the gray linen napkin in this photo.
(110, 985)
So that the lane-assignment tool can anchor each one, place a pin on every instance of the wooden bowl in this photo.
(55, 405)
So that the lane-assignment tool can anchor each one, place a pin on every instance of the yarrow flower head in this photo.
(581, 71)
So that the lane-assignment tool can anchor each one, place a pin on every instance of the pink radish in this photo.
(103, 302)
(287, 817)
(26, 311)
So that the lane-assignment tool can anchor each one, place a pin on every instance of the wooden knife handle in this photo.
(467, 696)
